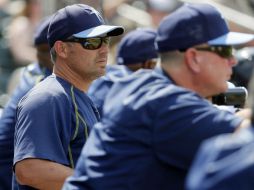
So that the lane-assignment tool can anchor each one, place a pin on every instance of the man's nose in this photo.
(104, 48)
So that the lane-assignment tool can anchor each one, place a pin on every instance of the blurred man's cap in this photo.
(194, 24)
(40, 36)
(80, 21)
(137, 47)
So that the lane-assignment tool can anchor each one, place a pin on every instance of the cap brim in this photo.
(232, 38)
(100, 31)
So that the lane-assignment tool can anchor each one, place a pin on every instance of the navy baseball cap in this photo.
(194, 24)
(137, 46)
(40, 36)
(80, 21)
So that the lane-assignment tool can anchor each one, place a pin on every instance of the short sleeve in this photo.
(42, 128)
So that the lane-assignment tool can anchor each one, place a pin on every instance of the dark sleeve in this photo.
(224, 162)
(43, 128)
(181, 126)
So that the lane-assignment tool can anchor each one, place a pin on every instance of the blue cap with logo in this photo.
(80, 21)
(194, 24)
(137, 46)
(40, 36)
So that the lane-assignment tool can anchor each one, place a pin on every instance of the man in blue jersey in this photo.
(30, 75)
(55, 117)
(135, 51)
(153, 122)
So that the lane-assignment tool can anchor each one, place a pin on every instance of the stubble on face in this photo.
(87, 64)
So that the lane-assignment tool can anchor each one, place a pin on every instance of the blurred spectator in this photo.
(158, 9)
(6, 62)
(21, 30)
(30, 75)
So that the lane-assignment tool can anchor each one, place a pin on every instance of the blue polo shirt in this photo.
(148, 136)
(224, 163)
(30, 75)
(53, 121)
(101, 86)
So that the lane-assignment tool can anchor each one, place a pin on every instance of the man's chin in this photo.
(101, 72)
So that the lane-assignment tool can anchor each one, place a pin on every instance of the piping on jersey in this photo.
(78, 117)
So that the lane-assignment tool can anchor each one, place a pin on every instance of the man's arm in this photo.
(41, 174)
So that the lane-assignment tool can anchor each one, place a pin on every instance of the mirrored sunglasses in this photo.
(90, 43)
(222, 51)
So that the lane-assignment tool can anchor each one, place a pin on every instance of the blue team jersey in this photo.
(53, 121)
(101, 86)
(148, 136)
(224, 163)
(30, 75)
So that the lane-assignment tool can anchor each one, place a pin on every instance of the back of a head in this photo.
(41, 44)
(40, 36)
(137, 47)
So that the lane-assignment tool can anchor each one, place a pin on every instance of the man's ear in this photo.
(192, 60)
(61, 49)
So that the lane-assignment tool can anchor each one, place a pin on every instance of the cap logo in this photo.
(98, 15)
(196, 31)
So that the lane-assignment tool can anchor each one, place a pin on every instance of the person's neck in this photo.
(183, 78)
(73, 78)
